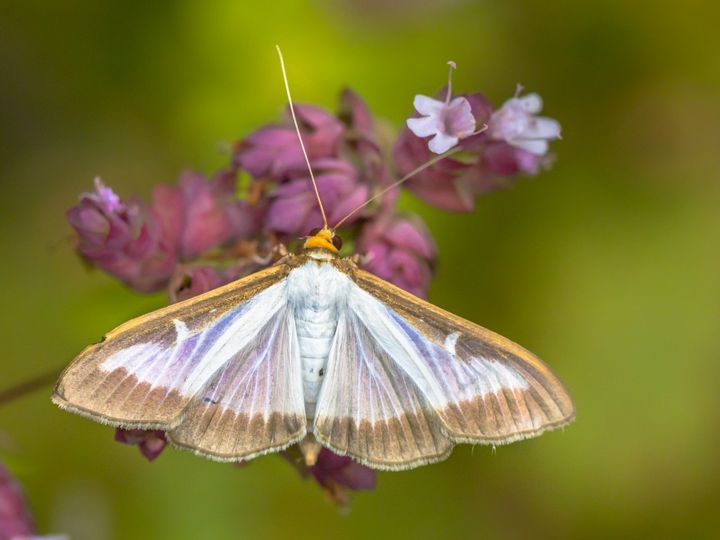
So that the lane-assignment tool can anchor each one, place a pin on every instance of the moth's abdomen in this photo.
(316, 330)
(316, 292)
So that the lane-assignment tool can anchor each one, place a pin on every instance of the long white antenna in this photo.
(405, 178)
(297, 129)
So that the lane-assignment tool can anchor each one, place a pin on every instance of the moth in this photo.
(315, 351)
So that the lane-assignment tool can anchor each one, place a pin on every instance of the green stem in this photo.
(19, 390)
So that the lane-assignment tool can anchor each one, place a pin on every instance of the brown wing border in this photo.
(221, 300)
(410, 307)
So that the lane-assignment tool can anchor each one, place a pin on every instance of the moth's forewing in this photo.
(406, 380)
(370, 409)
(522, 397)
(174, 366)
(254, 403)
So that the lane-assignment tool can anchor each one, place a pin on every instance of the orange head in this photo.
(325, 239)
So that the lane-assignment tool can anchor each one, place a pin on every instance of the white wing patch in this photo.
(441, 375)
(187, 363)
(451, 342)
(181, 330)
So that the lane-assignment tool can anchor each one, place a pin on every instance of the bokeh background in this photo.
(607, 266)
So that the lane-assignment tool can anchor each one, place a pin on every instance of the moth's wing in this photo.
(370, 409)
(146, 372)
(483, 387)
(253, 404)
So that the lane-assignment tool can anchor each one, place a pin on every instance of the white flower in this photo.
(447, 121)
(517, 124)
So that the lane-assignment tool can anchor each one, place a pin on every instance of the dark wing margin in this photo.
(175, 365)
(483, 387)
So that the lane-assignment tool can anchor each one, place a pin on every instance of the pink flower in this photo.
(274, 151)
(517, 123)
(294, 210)
(123, 239)
(150, 443)
(15, 519)
(451, 184)
(455, 182)
(399, 250)
(446, 122)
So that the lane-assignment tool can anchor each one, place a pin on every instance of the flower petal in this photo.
(427, 105)
(442, 142)
(459, 119)
(543, 128)
(531, 103)
(535, 146)
(424, 127)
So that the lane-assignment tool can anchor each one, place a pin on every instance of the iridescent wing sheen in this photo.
(220, 372)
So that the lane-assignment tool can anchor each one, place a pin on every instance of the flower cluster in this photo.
(204, 232)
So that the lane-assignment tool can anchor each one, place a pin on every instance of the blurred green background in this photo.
(607, 266)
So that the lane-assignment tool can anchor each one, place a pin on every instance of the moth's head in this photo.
(324, 239)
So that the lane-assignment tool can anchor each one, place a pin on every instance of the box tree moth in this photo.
(316, 351)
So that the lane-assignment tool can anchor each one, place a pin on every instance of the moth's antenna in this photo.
(297, 129)
(405, 178)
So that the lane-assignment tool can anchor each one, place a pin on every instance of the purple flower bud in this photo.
(193, 279)
(294, 210)
(502, 159)
(15, 519)
(206, 223)
(335, 472)
(517, 123)
(274, 151)
(360, 140)
(150, 443)
(354, 112)
(197, 215)
(189, 281)
(123, 239)
(399, 250)
(445, 121)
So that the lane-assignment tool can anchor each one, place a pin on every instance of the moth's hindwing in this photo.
(406, 380)
(219, 372)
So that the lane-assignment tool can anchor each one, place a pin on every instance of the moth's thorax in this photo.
(320, 254)
(317, 293)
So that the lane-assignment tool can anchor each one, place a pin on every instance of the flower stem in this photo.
(19, 390)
